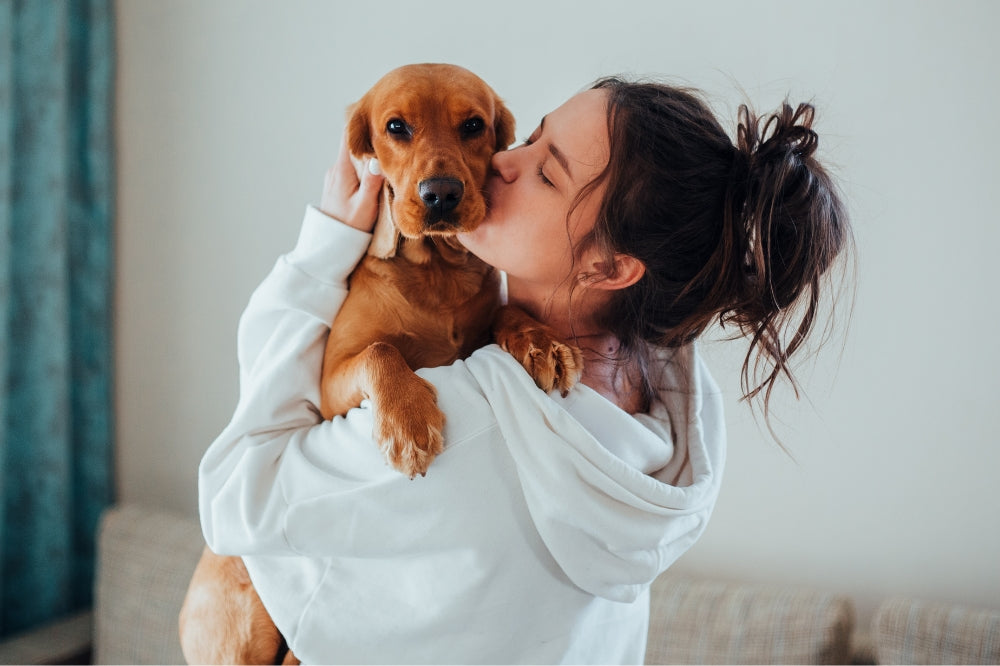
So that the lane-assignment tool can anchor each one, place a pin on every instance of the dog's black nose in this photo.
(441, 194)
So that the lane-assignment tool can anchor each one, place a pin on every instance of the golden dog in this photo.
(417, 299)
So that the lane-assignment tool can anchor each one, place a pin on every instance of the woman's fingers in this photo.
(343, 169)
(349, 198)
(368, 191)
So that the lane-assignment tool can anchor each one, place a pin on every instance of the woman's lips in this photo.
(489, 191)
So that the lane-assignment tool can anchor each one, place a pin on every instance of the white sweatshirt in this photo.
(532, 539)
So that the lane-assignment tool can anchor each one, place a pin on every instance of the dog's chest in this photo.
(441, 311)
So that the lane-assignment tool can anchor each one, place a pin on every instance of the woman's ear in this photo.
(625, 271)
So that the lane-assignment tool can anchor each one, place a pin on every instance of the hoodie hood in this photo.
(616, 498)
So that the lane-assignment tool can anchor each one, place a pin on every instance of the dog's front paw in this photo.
(409, 427)
(551, 362)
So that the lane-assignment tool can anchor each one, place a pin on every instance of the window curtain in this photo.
(56, 259)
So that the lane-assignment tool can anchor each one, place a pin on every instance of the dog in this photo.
(417, 299)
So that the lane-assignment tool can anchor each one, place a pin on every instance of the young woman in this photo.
(628, 221)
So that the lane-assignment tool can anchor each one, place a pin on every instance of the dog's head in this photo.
(433, 128)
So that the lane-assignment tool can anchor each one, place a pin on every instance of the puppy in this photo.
(417, 299)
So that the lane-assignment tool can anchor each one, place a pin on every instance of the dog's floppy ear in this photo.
(503, 125)
(385, 235)
(359, 137)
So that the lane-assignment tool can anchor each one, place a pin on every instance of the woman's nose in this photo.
(504, 163)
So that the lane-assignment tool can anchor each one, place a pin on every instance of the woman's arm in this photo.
(280, 480)
(280, 348)
(281, 339)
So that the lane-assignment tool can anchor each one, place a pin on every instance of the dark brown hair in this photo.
(742, 233)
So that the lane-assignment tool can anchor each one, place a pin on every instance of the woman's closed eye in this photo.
(540, 172)
(541, 175)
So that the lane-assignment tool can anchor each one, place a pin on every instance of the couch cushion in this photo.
(145, 561)
(712, 622)
(910, 631)
(64, 641)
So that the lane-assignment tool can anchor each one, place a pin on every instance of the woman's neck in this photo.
(603, 369)
(606, 372)
(568, 313)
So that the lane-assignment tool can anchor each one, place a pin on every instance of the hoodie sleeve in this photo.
(281, 340)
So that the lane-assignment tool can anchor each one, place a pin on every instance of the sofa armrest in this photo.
(910, 631)
(145, 562)
(65, 641)
(713, 622)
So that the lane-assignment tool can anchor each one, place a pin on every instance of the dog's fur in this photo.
(417, 299)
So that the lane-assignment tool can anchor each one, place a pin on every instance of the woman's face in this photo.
(531, 189)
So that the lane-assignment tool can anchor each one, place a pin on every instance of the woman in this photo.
(628, 221)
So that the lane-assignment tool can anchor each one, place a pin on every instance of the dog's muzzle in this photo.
(440, 197)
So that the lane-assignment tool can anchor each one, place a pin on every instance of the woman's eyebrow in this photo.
(556, 153)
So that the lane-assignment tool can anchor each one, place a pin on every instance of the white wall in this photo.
(229, 112)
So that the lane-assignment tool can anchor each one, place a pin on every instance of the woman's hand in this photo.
(347, 198)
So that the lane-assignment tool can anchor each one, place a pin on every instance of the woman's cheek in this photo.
(478, 242)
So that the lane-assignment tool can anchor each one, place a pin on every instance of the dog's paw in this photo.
(409, 427)
(551, 362)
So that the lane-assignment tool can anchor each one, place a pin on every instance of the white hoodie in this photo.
(532, 539)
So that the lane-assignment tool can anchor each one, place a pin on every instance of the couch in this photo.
(145, 559)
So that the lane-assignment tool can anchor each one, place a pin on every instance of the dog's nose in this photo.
(441, 194)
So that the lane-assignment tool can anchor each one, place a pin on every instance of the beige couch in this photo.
(146, 558)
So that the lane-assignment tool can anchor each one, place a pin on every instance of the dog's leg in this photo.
(551, 362)
(408, 423)
(223, 620)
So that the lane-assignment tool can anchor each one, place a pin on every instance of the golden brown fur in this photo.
(418, 299)
(223, 620)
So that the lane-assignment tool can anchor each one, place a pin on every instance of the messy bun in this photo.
(740, 234)
(783, 208)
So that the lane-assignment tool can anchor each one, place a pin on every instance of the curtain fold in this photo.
(56, 269)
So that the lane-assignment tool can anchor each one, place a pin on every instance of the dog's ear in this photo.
(503, 125)
(359, 137)
(385, 235)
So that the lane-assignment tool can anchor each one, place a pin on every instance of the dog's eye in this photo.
(473, 127)
(398, 127)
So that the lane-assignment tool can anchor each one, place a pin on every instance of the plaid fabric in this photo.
(711, 622)
(908, 631)
(145, 562)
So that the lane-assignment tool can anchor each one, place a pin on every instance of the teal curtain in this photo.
(56, 260)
